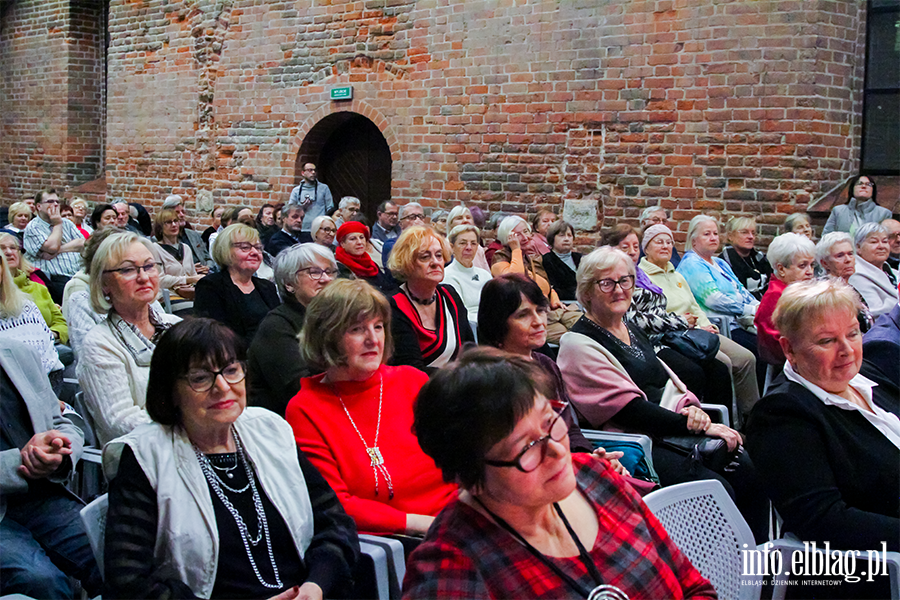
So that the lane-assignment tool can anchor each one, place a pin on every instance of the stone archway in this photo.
(353, 158)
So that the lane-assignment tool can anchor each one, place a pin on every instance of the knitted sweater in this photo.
(328, 436)
(716, 288)
(49, 310)
(29, 328)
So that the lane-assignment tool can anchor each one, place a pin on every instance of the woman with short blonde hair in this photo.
(19, 216)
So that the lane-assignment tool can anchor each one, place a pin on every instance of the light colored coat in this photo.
(874, 286)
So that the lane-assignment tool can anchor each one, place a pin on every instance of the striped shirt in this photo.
(64, 263)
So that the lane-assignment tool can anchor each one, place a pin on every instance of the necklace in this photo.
(601, 591)
(262, 523)
(374, 452)
(226, 470)
(419, 301)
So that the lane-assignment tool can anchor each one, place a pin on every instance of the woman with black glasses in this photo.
(213, 499)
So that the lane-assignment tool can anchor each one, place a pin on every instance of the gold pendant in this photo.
(375, 455)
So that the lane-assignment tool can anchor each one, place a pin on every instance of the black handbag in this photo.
(696, 344)
(711, 452)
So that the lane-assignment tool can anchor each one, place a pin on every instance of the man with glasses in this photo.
(53, 244)
(411, 214)
(347, 210)
(386, 227)
(291, 232)
(314, 197)
(657, 215)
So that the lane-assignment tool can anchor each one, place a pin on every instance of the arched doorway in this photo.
(353, 158)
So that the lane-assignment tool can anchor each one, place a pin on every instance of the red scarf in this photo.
(362, 266)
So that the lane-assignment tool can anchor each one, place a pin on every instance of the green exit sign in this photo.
(342, 93)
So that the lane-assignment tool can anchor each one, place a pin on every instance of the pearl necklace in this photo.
(374, 452)
(263, 524)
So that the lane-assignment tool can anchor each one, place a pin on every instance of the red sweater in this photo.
(766, 334)
(325, 434)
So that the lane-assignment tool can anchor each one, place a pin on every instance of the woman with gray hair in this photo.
(461, 215)
(798, 223)
(465, 277)
(275, 363)
(837, 257)
(114, 359)
(874, 278)
(792, 257)
(826, 440)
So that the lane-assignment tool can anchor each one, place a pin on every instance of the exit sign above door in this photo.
(342, 93)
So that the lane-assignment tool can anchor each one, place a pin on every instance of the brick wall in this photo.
(593, 108)
(51, 95)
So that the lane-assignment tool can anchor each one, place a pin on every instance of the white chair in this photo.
(94, 518)
(705, 524)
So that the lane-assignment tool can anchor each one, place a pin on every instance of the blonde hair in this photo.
(804, 302)
(738, 223)
(600, 259)
(403, 257)
(12, 299)
(24, 265)
(238, 232)
(18, 208)
(110, 252)
(79, 201)
(339, 306)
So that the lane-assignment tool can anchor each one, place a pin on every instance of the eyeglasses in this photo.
(415, 217)
(131, 272)
(608, 285)
(532, 455)
(315, 273)
(328, 229)
(57, 201)
(202, 380)
(865, 184)
(390, 213)
(171, 222)
(247, 246)
(658, 220)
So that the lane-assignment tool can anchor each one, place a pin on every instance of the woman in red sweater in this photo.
(354, 421)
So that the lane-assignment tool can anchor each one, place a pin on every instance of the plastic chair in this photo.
(94, 518)
(703, 521)
(395, 564)
(718, 413)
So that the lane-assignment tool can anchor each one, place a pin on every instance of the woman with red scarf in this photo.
(355, 262)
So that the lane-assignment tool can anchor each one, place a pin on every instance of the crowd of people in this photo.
(269, 387)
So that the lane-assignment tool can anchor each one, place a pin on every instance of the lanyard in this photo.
(582, 551)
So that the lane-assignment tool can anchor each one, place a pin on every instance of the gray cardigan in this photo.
(845, 216)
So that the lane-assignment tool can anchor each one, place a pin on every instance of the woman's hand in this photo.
(613, 458)
(697, 420)
(711, 328)
(731, 437)
(513, 241)
(691, 319)
(418, 524)
(307, 591)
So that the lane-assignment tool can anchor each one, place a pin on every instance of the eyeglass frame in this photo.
(615, 282)
(240, 246)
(215, 376)
(420, 217)
(331, 272)
(544, 441)
(144, 267)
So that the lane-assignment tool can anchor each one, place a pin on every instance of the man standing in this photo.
(187, 235)
(41, 533)
(290, 234)
(314, 197)
(386, 228)
(53, 244)
(347, 209)
(411, 214)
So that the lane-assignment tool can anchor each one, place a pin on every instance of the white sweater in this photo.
(875, 287)
(468, 283)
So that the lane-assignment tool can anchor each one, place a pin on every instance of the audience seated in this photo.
(19, 216)
(323, 231)
(798, 223)
(289, 234)
(233, 216)
(114, 358)
(462, 215)
(748, 264)
(825, 439)
(354, 260)
(874, 278)
(177, 271)
(518, 255)
(34, 283)
(348, 208)
(861, 207)
(354, 421)
(216, 216)
(658, 243)
(837, 257)
(43, 539)
(561, 261)
(540, 223)
(618, 383)
(429, 321)
(386, 228)
(103, 216)
(531, 521)
(179, 523)
(79, 216)
(52, 243)
(234, 295)
(265, 223)
(462, 274)
(275, 366)
(881, 346)
(792, 257)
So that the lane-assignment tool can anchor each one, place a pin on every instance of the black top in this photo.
(561, 275)
(279, 241)
(217, 297)
(831, 474)
(275, 364)
(753, 271)
(131, 537)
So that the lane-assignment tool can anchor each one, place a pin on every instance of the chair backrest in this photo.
(90, 438)
(705, 524)
(94, 518)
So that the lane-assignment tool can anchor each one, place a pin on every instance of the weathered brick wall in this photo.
(51, 95)
(598, 108)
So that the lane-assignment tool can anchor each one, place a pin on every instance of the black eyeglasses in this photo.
(413, 218)
(315, 273)
(131, 272)
(202, 380)
(532, 455)
(608, 285)
(247, 247)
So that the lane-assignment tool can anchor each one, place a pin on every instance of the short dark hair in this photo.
(500, 298)
(466, 408)
(98, 212)
(383, 206)
(39, 197)
(262, 209)
(852, 185)
(192, 342)
(614, 236)
(558, 228)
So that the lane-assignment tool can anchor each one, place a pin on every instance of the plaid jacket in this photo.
(466, 555)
